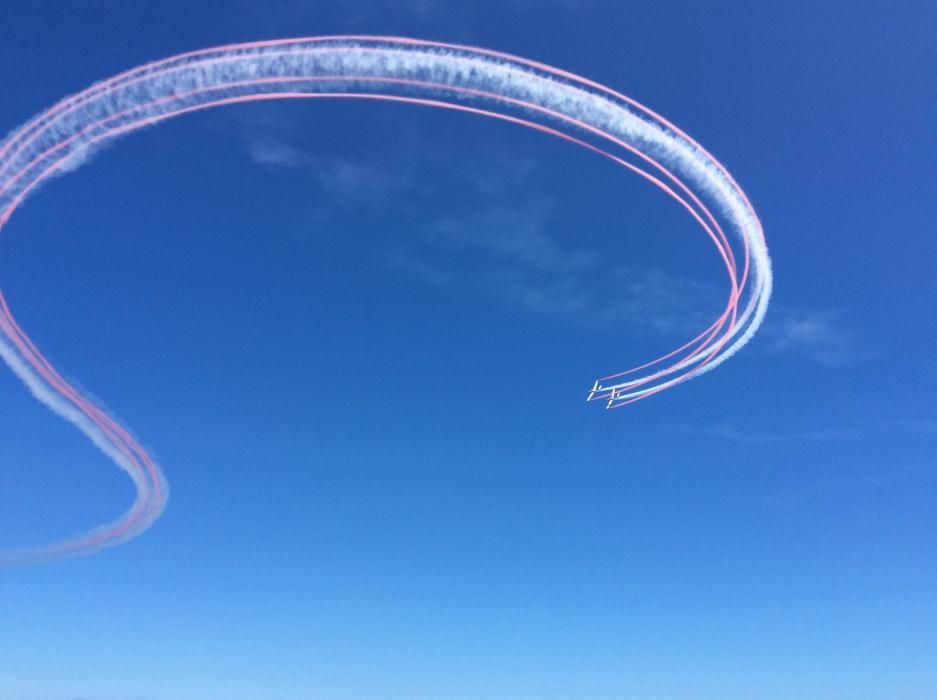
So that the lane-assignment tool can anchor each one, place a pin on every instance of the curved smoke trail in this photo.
(463, 78)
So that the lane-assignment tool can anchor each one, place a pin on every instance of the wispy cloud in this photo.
(285, 14)
(504, 242)
(348, 182)
(818, 335)
(513, 231)
(665, 303)
(415, 264)
(755, 437)
(266, 150)
(112, 697)
(924, 428)
(353, 183)
(463, 19)
(546, 296)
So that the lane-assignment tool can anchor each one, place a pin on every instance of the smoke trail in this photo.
(433, 74)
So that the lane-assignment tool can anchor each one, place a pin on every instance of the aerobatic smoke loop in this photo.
(434, 74)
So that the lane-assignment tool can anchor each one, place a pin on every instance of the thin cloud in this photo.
(514, 232)
(665, 303)
(817, 335)
(268, 151)
(922, 427)
(354, 182)
(925, 428)
(416, 265)
(506, 231)
(726, 432)
(462, 18)
(347, 182)
(553, 296)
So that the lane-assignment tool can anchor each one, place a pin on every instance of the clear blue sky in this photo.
(386, 482)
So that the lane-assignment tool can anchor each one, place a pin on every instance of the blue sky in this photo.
(363, 371)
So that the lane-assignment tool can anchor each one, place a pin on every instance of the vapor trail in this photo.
(432, 74)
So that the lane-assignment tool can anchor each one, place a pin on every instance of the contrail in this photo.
(432, 74)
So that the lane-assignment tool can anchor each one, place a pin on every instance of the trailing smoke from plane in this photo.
(432, 74)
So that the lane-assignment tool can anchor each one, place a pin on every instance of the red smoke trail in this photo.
(43, 148)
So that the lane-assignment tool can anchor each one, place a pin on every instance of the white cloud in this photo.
(924, 428)
(666, 303)
(414, 264)
(511, 231)
(550, 296)
(352, 182)
(501, 242)
(763, 437)
(820, 336)
(265, 150)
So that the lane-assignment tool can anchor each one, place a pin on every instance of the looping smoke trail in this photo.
(426, 73)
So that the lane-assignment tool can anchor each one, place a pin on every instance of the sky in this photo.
(358, 339)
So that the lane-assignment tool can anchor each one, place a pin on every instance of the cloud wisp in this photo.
(430, 74)
(820, 336)
(920, 428)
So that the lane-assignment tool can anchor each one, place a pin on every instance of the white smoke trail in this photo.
(62, 138)
(69, 412)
